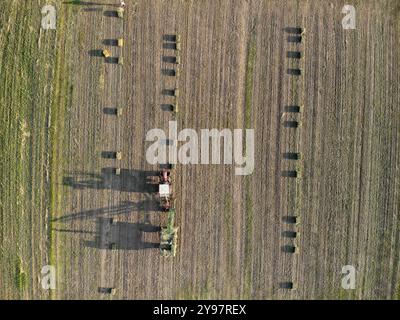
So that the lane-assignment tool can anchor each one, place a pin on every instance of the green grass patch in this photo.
(251, 57)
(248, 240)
(20, 276)
(61, 98)
(228, 216)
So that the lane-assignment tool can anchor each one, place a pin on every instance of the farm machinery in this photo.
(168, 236)
(165, 190)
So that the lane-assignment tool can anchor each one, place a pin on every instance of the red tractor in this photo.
(165, 190)
(165, 177)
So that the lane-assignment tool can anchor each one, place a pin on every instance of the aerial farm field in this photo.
(59, 134)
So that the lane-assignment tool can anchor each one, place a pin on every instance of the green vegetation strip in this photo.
(33, 96)
(62, 96)
(251, 57)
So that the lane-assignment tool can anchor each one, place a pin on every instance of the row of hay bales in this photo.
(295, 57)
(296, 36)
(107, 54)
(119, 42)
(173, 42)
(118, 154)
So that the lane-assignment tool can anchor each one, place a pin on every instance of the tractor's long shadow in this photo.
(127, 181)
(108, 232)
(88, 3)
(113, 235)
(149, 204)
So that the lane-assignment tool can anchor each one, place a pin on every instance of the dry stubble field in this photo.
(233, 75)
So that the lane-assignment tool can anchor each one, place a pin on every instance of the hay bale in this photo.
(121, 61)
(120, 42)
(118, 171)
(178, 59)
(119, 112)
(176, 108)
(120, 13)
(118, 155)
(176, 93)
(106, 53)
(178, 46)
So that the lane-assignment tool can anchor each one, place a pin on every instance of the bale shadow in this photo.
(167, 107)
(289, 174)
(112, 60)
(168, 72)
(289, 234)
(169, 59)
(294, 72)
(95, 53)
(296, 30)
(110, 14)
(291, 124)
(294, 39)
(169, 45)
(291, 155)
(119, 235)
(293, 54)
(290, 219)
(288, 249)
(110, 111)
(286, 285)
(168, 92)
(292, 109)
(105, 290)
(109, 154)
(169, 37)
(110, 42)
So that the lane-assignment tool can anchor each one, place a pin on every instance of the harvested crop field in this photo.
(235, 72)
